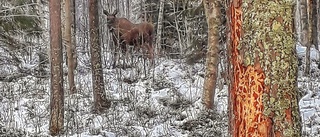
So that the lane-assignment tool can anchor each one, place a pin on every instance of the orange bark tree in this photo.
(70, 45)
(57, 92)
(99, 97)
(263, 69)
(213, 15)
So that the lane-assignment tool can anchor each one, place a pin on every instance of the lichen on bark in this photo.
(265, 69)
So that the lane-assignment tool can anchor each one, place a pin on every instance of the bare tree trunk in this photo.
(69, 46)
(73, 32)
(212, 10)
(128, 9)
(99, 96)
(309, 37)
(318, 25)
(57, 99)
(314, 22)
(298, 20)
(159, 27)
(304, 22)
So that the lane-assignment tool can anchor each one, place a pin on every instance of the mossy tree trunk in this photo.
(263, 69)
(212, 10)
(99, 96)
(57, 98)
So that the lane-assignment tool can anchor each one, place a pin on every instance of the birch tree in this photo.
(263, 69)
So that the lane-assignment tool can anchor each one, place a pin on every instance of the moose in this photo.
(126, 33)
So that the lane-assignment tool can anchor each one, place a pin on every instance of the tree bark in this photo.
(318, 25)
(304, 22)
(298, 23)
(212, 10)
(159, 27)
(99, 97)
(309, 36)
(57, 98)
(69, 46)
(263, 70)
(314, 22)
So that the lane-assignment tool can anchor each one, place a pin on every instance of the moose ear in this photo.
(105, 12)
(115, 12)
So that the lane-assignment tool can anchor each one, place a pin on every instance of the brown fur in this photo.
(127, 33)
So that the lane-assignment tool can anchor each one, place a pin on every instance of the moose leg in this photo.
(115, 51)
(147, 47)
(150, 52)
(124, 52)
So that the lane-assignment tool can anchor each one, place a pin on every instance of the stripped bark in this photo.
(263, 70)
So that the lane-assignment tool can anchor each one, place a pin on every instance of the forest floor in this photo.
(161, 101)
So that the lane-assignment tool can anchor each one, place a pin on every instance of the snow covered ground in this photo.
(164, 101)
(310, 89)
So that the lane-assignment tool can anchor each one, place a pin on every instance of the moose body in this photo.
(140, 35)
(126, 33)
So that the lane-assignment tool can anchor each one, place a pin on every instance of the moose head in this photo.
(111, 18)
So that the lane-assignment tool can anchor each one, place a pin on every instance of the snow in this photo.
(164, 102)
(301, 50)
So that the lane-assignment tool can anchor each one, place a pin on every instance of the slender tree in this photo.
(70, 46)
(99, 97)
(263, 69)
(314, 22)
(298, 25)
(212, 10)
(308, 41)
(318, 26)
(57, 99)
(303, 21)
(159, 27)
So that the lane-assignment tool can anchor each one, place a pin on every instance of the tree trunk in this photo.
(212, 10)
(69, 46)
(57, 99)
(307, 32)
(304, 22)
(298, 25)
(318, 25)
(314, 22)
(99, 97)
(159, 27)
(263, 70)
(73, 32)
